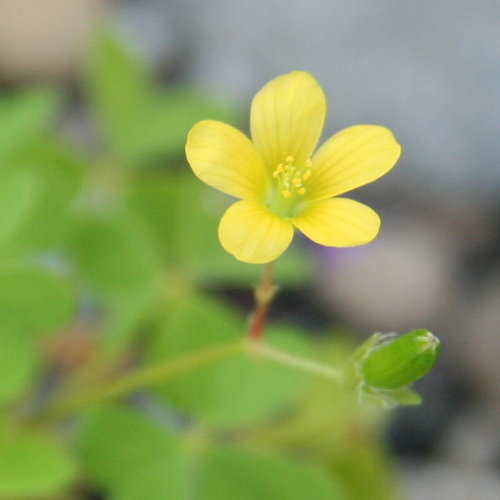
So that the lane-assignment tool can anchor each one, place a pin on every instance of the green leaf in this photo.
(118, 88)
(33, 465)
(160, 480)
(236, 473)
(363, 467)
(58, 173)
(113, 253)
(236, 390)
(18, 192)
(119, 267)
(133, 456)
(175, 209)
(164, 120)
(36, 299)
(138, 120)
(17, 360)
(24, 117)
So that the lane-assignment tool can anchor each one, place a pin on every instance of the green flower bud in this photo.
(397, 362)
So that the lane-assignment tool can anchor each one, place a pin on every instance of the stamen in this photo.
(278, 170)
(291, 178)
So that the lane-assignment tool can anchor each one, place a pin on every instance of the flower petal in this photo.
(338, 222)
(287, 117)
(253, 234)
(225, 159)
(352, 158)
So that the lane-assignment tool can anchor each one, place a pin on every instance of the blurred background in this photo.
(429, 71)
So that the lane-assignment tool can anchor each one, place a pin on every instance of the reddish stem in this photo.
(264, 294)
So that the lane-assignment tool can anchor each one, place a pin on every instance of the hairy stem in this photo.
(266, 351)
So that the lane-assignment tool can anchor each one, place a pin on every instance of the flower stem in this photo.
(266, 351)
(264, 294)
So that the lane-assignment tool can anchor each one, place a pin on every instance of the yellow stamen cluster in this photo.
(291, 178)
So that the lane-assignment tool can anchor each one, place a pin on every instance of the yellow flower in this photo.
(281, 182)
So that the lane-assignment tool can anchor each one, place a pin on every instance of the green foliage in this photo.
(113, 285)
(59, 173)
(33, 465)
(24, 117)
(235, 391)
(121, 447)
(17, 360)
(36, 299)
(113, 258)
(330, 425)
(18, 191)
(33, 304)
(134, 457)
(273, 477)
(137, 119)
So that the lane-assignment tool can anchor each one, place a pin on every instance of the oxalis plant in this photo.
(125, 371)
(284, 184)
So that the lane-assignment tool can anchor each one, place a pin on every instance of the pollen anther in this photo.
(278, 170)
(291, 178)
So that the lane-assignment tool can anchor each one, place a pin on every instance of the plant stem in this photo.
(264, 294)
(145, 377)
(170, 369)
(284, 358)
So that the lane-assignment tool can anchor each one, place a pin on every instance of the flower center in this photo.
(290, 178)
(288, 187)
